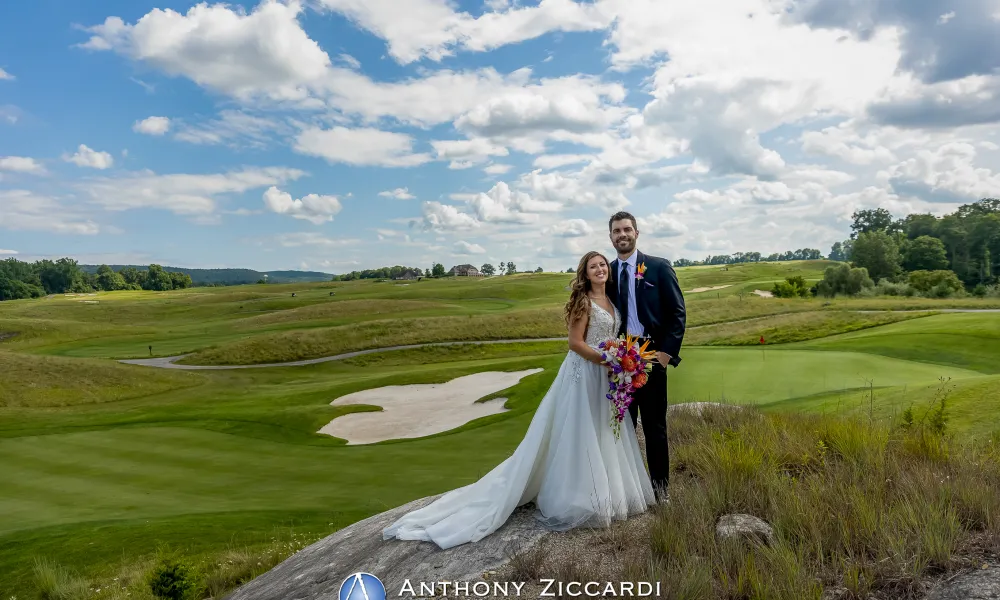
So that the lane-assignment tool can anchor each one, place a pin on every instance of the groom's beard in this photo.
(625, 245)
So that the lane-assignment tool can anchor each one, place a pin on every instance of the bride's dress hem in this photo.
(569, 463)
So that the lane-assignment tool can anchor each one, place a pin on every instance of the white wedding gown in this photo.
(569, 463)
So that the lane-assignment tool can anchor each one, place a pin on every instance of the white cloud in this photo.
(350, 61)
(87, 157)
(152, 126)
(943, 19)
(21, 164)
(299, 239)
(263, 53)
(183, 194)
(497, 169)
(467, 153)
(25, 210)
(233, 128)
(444, 217)
(8, 252)
(433, 29)
(398, 194)
(5, 76)
(313, 208)
(570, 228)
(462, 247)
(360, 147)
(661, 225)
(844, 143)
(554, 161)
(947, 174)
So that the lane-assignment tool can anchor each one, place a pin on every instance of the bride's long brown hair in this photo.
(579, 304)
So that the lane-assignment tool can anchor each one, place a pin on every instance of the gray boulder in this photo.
(317, 571)
(747, 527)
(981, 584)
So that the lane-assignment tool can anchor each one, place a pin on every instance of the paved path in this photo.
(170, 362)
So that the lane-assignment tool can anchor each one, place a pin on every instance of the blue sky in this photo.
(343, 134)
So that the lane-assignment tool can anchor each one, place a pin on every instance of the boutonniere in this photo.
(640, 271)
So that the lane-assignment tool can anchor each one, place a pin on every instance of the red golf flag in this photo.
(761, 339)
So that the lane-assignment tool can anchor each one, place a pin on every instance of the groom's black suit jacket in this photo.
(658, 301)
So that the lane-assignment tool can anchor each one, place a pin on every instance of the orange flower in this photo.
(628, 363)
(639, 380)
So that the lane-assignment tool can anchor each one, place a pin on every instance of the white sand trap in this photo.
(763, 294)
(410, 411)
(708, 289)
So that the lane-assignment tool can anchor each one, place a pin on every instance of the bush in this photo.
(844, 280)
(172, 579)
(979, 291)
(888, 288)
(936, 284)
(791, 287)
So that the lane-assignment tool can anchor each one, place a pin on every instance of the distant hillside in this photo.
(231, 276)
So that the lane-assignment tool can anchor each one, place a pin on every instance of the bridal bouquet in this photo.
(630, 366)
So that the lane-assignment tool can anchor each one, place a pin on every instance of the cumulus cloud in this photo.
(313, 208)
(87, 157)
(152, 126)
(26, 210)
(433, 29)
(361, 147)
(183, 194)
(497, 169)
(662, 225)
(947, 174)
(5, 76)
(462, 247)
(445, 217)
(398, 194)
(263, 53)
(21, 164)
(571, 228)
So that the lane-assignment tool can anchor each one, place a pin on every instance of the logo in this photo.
(362, 586)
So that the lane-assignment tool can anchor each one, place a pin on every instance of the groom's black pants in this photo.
(651, 401)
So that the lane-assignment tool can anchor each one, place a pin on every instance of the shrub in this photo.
(888, 288)
(844, 280)
(172, 579)
(936, 284)
(979, 291)
(55, 582)
(791, 287)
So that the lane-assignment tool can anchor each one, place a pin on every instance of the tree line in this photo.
(19, 279)
(920, 254)
(752, 257)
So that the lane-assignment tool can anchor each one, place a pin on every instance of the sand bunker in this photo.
(410, 411)
(763, 294)
(707, 289)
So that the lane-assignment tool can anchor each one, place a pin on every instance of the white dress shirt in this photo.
(634, 327)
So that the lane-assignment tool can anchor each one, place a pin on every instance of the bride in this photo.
(569, 461)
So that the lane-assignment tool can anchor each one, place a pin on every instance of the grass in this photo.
(859, 509)
(102, 460)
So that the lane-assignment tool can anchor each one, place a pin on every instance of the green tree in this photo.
(15, 289)
(876, 252)
(918, 225)
(791, 287)
(867, 221)
(57, 277)
(179, 281)
(843, 280)
(511, 268)
(108, 280)
(925, 253)
(539, 270)
(157, 280)
(438, 270)
(487, 269)
(837, 252)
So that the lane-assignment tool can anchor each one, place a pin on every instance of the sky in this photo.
(337, 135)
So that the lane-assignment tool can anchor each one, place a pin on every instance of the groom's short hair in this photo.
(621, 216)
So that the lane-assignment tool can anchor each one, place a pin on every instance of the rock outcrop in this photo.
(317, 571)
(982, 584)
(747, 527)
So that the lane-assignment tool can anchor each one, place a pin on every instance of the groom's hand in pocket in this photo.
(663, 358)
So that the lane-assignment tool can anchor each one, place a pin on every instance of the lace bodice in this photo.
(603, 325)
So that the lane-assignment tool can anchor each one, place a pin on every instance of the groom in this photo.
(646, 292)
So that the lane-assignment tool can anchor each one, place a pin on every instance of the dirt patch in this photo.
(6, 335)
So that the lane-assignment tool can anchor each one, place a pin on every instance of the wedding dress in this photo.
(569, 463)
